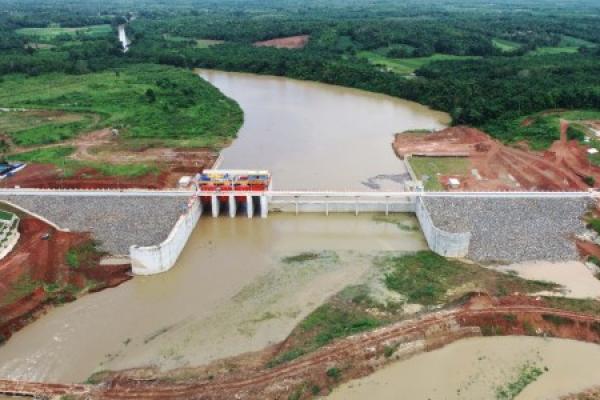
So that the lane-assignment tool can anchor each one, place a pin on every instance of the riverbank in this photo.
(341, 361)
(49, 267)
(140, 125)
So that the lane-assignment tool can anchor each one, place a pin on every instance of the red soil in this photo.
(563, 167)
(291, 42)
(37, 260)
(354, 357)
(47, 176)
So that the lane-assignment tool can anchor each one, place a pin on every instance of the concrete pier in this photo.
(215, 205)
(232, 206)
(264, 206)
(249, 206)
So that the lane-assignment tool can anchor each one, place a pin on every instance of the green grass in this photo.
(81, 255)
(540, 51)
(28, 129)
(206, 43)
(406, 66)
(50, 33)
(428, 168)
(5, 215)
(198, 43)
(58, 156)
(23, 287)
(544, 129)
(182, 106)
(528, 373)
(505, 45)
(428, 279)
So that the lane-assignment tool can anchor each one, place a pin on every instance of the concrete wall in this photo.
(444, 243)
(341, 206)
(150, 260)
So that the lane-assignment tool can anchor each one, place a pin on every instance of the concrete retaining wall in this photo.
(444, 243)
(150, 260)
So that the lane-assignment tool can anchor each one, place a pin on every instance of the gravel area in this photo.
(513, 230)
(116, 222)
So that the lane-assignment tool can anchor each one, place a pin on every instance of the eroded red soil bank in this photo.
(246, 377)
(37, 273)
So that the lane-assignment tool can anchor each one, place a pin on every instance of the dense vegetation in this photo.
(486, 64)
(146, 101)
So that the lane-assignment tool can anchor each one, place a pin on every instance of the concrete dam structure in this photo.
(449, 220)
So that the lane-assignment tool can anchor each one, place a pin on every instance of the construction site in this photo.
(228, 287)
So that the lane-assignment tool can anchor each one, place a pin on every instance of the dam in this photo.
(230, 289)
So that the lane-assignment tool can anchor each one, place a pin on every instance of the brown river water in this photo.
(230, 291)
(316, 136)
(474, 369)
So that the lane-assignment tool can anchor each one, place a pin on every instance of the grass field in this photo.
(58, 157)
(50, 33)
(29, 128)
(200, 43)
(144, 101)
(554, 50)
(505, 45)
(428, 168)
(406, 66)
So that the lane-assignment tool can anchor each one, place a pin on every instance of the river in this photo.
(231, 291)
(474, 369)
(316, 136)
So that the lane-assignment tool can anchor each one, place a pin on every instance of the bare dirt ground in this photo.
(37, 260)
(495, 166)
(102, 146)
(246, 377)
(291, 42)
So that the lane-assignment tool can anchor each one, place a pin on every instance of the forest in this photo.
(485, 65)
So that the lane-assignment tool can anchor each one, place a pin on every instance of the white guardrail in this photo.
(286, 193)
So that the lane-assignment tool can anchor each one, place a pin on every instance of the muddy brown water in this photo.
(230, 292)
(316, 136)
(474, 369)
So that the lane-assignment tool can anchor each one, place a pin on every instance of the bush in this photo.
(594, 224)
(334, 373)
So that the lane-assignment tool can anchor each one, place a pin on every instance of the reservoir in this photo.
(316, 136)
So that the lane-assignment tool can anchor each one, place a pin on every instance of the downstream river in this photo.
(232, 290)
(316, 136)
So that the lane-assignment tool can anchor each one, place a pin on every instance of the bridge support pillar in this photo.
(264, 206)
(215, 205)
(356, 206)
(250, 206)
(232, 206)
(326, 205)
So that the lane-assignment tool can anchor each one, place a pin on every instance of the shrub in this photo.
(334, 373)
